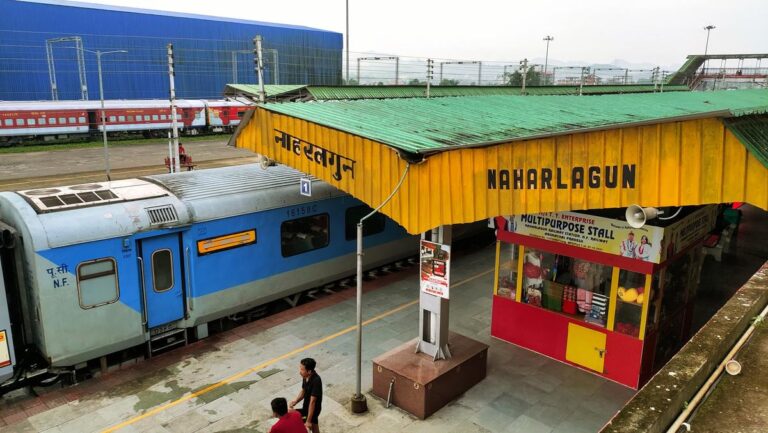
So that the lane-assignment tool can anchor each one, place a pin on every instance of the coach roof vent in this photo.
(162, 215)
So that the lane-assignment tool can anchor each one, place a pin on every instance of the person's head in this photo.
(307, 367)
(279, 407)
(631, 236)
(644, 239)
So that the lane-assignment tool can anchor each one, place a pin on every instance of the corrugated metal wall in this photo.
(207, 52)
(676, 163)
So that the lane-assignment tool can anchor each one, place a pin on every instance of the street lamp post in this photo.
(103, 114)
(347, 83)
(546, 56)
(100, 53)
(708, 28)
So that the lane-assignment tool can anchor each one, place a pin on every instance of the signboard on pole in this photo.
(435, 264)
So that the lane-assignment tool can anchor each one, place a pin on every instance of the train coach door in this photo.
(163, 292)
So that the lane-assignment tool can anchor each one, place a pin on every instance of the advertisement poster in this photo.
(435, 263)
(5, 355)
(689, 230)
(592, 232)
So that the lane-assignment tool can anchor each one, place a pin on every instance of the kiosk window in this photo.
(97, 283)
(508, 260)
(566, 284)
(373, 225)
(304, 234)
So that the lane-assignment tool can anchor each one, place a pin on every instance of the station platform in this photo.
(226, 382)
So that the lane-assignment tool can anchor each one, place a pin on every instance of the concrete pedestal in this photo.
(421, 385)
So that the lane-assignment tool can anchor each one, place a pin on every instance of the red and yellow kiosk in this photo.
(592, 291)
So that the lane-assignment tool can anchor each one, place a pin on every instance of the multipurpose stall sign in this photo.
(592, 232)
(435, 262)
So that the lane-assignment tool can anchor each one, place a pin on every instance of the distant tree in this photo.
(448, 82)
(380, 83)
(416, 82)
(532, 78)
(351, 82)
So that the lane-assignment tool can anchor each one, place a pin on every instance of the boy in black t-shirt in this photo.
(311, 393)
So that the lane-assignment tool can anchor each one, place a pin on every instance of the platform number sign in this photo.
(306, 187)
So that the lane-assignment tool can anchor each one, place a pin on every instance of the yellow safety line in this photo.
(266, 364)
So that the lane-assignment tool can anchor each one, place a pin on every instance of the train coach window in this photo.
(19, 122)
(162, 270)
(121, 118)
(62, 120)
(130, 118)
(52, 120)
(146, 117)
(155, 117)
(304, 234)
(41, 120)
(31, 122)
(97, 282)
(8, 122)
(71, 120)
(113, 119)
(373, 225)
(163, 117)
(81, 119)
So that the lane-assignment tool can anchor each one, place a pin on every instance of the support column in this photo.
(434, 310)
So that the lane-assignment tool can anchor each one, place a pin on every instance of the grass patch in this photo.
(99, 143)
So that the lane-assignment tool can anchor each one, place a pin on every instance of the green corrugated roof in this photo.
(752, 131)
(420, 125)
(270, 89)
(322, 93)
(386, 92)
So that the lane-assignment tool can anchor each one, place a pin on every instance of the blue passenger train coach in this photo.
(98, 268)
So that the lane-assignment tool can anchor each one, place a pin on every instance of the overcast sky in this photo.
(659, 32)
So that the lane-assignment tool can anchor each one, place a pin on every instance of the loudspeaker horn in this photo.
(637, 216)
(266, 162)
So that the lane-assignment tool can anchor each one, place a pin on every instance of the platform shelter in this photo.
(462, 159)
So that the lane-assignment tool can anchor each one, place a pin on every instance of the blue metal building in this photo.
(39, 39)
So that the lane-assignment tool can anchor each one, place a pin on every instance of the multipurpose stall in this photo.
(594, 292)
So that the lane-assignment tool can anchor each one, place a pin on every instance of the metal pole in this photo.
(51, 70)
(359, 404)
(358, 71)
(276, 63)
(626, 75)
(358, 82)
(397, 70)
(359, 358)
(234, 67)
(260, 68)
(546, 58)
(479, 73)
(103, 117)
(441, 74)
(524, 62)
(581, 82)
(174, 123)
(706, 47)
(430, 67)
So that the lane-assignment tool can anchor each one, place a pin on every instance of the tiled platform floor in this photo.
(524, 392)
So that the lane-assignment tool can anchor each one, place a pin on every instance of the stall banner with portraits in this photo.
(435, 264)
(592, 232)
